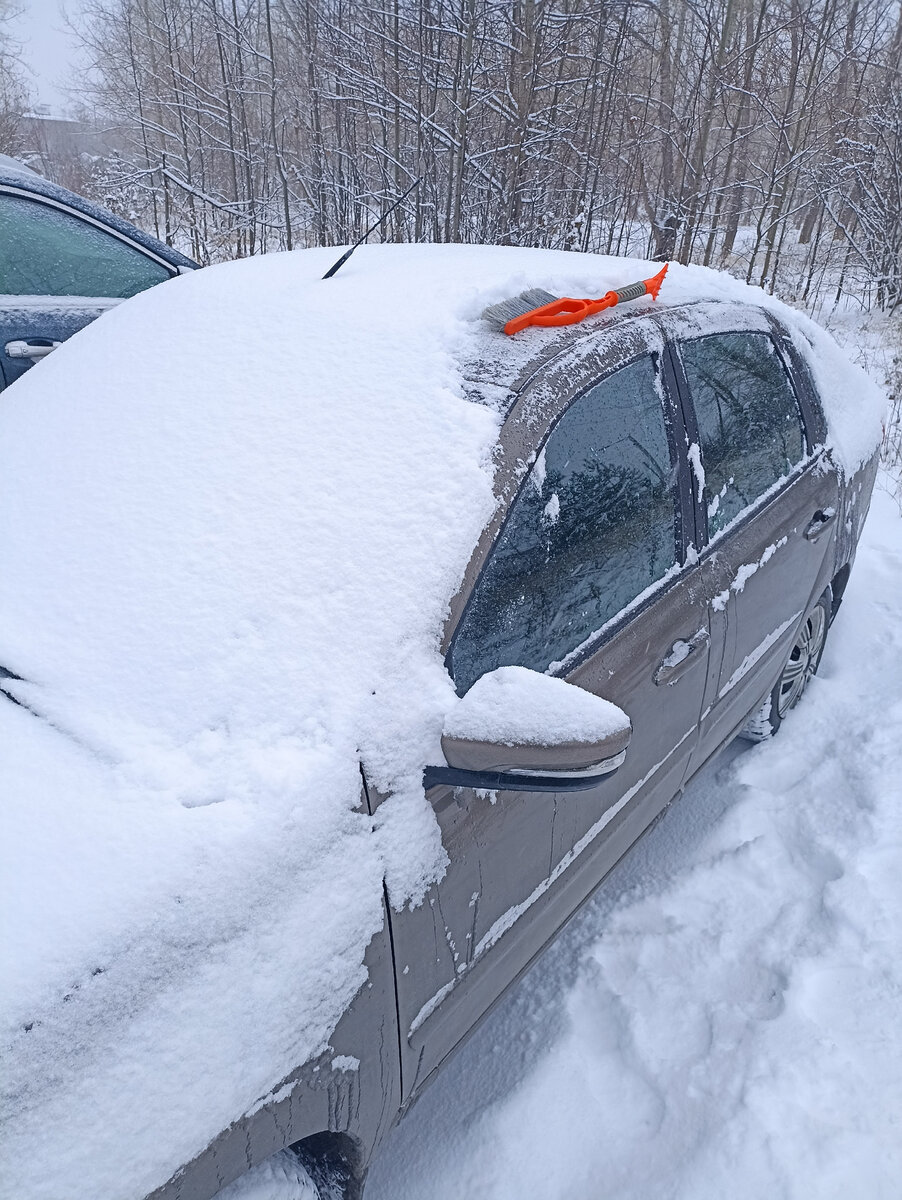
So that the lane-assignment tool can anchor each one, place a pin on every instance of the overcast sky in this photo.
(48, 50)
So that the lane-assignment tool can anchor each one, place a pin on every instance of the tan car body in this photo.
(522, 862)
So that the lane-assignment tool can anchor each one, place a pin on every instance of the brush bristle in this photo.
(499, 314)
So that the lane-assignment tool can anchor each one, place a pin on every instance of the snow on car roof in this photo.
(13, 166)
(234, 511)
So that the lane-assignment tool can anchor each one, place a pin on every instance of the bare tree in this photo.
(13, 90)
(757, 134)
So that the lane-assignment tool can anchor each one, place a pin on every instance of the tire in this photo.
(333, 1166)
(803, 662)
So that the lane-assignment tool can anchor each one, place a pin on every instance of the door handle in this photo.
(822, 520)
(682, 656)
(33, 350)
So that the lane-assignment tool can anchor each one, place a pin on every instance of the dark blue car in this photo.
(63, 262)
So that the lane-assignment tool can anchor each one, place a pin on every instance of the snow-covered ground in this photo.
(725, 1017)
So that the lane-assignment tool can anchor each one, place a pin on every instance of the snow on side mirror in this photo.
(516, 729)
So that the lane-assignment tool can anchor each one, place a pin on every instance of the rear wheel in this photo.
(804, 660)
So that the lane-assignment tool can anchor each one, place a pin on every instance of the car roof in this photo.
(14, 175)
(12, 165)
(498, 368)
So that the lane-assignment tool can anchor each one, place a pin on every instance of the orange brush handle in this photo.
(565, 311)
(568, 311)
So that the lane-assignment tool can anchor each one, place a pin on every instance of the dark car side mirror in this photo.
(519, 730)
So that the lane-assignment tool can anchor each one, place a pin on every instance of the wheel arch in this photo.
(335, 1162)
(837, 588)
(332, 1112)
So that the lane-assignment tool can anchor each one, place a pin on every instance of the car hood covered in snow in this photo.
(234, 511)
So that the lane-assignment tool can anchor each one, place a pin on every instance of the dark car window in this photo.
(749, 423)
(592, 528)
(48, 252)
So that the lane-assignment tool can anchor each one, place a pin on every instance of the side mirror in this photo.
(518, 730)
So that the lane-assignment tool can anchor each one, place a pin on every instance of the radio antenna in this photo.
(375, 225)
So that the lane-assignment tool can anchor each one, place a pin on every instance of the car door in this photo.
(32, 326)
(587, 579)
(768, 496)
(59, 271)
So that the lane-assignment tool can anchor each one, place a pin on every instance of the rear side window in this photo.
(48, 252)
(592, 528)
(749, 423)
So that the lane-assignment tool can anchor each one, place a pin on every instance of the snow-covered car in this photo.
(63, 262)
(346, 647)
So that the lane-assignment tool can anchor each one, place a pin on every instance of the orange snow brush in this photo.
(538, 307)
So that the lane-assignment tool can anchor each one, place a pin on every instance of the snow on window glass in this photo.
(750, 428)
(590, 531)
(48, 252)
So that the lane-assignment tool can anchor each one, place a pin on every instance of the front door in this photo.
(584, 580)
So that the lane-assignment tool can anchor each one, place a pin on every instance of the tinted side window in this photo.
(592, 527)
(750, 427)
(48, 252)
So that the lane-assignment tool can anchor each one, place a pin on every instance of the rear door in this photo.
(59, 271)
(586, 579)
(768, 498)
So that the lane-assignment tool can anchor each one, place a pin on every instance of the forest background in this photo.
(759, 136)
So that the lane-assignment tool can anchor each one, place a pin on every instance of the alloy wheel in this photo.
(803, 660)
